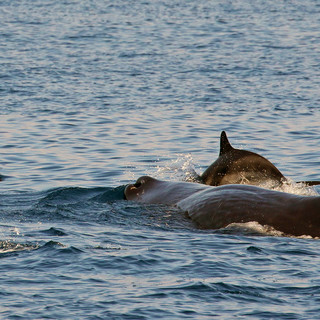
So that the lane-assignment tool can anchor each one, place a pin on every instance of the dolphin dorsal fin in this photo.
(225, 145)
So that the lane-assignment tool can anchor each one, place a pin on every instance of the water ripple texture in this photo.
(94, 94)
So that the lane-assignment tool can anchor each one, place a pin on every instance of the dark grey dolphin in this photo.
(235, 166)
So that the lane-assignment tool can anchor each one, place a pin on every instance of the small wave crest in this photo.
(70, 194)
(7, 246)
(76, 194)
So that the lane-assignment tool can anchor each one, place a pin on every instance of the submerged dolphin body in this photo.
(236, 166)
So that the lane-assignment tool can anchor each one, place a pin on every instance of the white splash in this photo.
(253, 227)
(181, 169)
(298, 188)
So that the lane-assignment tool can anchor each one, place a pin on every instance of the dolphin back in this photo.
(235, 166)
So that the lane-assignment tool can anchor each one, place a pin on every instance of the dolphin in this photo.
(236, 166)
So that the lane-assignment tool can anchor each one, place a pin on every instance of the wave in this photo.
(60, 204)
(76, 194)
(8, 246)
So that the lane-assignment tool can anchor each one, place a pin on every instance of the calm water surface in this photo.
(94, 94)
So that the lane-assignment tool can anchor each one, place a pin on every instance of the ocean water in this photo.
(94, 94)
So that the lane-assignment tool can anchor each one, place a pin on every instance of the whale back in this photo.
(149, 190)
(218, 207)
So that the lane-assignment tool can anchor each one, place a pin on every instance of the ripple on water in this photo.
(95, 94)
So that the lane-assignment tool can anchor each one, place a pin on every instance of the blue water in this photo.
(94, 94)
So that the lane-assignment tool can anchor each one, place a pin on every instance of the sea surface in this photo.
(94, 94)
